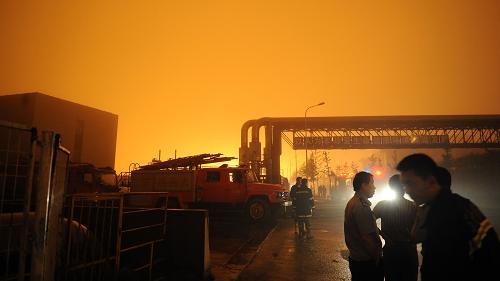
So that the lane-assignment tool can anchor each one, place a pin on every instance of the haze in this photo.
(185, 75)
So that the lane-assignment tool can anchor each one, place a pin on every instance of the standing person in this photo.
(323, 191)
(293, 191)
(443, 178)
(460, 242)
(361, 232)
(294, 187)
(397, 218)
(303, 209)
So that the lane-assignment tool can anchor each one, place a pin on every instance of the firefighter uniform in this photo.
(304, 203)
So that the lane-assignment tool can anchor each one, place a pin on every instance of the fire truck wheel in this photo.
(258, 210)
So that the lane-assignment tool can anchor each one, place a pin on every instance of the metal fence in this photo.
(47, 235)
(33, 170)
(16, 163)
(117, 236)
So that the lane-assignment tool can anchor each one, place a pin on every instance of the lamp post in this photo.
(305, 128)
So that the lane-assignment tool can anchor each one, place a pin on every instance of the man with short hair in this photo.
(460, 243)
(361, 232)
(397, 217)
(443, 178)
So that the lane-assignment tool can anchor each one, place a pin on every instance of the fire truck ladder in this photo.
(190, 162)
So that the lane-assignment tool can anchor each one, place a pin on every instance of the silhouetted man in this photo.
(460, 242)
(293, 189)
(443, 178)
(361, 232)
(397, 217)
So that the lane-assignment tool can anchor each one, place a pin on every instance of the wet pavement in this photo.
(282, 256)
(233, 243)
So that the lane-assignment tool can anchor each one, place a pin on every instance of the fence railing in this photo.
(47, 235)
(33, 170)
(112, 235)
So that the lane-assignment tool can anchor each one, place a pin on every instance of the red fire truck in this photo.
(191, 186)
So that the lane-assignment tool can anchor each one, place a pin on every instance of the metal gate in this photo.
(33, 170)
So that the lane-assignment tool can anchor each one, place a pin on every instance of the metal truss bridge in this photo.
(364, 132)
(399, 132)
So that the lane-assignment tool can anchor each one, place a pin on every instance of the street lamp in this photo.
(305, 127)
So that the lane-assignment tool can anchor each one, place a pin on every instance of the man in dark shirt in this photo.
(443, 178)
(460, 243)
(397, 217)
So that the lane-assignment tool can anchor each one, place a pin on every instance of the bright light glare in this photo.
(384, 193)
(378, 173)
(388, 194)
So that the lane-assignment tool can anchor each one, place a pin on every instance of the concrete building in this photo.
(89, 133)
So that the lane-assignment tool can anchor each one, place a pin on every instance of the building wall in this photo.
(17, 108)
(89, 133)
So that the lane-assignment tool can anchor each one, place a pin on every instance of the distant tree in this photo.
(345, 168)
(311, 170)
(354, 167)
(338, 169)
(447, 158)
(327, 171)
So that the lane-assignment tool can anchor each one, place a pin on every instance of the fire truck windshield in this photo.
(251, 176)
(108, 179)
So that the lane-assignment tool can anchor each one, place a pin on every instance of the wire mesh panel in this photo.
(91, 224)
(17, 146)
(113, 236)
(15, 156)
(33, 172)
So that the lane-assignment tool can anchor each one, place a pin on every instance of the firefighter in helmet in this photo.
(304, 203)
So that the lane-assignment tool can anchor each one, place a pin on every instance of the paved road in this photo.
(283, 257)
(233, 243)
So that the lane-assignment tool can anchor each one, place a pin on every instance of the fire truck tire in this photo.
(258, 210)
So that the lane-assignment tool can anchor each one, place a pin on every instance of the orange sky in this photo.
(185, 74)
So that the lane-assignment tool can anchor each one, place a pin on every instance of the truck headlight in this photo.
(281, 194)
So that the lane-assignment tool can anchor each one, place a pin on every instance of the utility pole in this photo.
(327, 161)
(305, 129)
